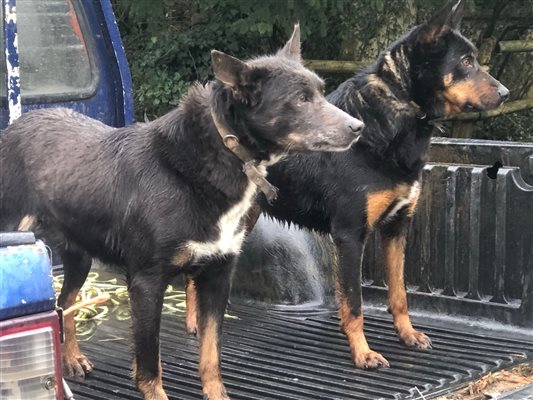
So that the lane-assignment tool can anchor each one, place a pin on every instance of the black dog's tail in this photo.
(15, 194)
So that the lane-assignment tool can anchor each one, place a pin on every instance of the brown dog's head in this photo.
(278, 105)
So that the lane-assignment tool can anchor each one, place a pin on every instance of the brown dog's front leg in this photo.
(209, 367)
(212, 291)
(146, 301)
(191, 308)
(76, 266)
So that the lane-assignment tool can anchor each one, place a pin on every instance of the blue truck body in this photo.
(89, 29)
(57, 53)
(26, 285)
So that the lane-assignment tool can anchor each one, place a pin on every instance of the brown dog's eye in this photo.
(467, 62)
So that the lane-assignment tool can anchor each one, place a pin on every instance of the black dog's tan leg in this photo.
(394, 249)
(212, 287)
(191, 309)
(146, 301)
(76, 266)
(348, 281)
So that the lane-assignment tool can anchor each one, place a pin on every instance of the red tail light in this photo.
(30, 358)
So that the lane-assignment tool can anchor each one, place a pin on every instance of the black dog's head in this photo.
(277, 105)
(446, 76)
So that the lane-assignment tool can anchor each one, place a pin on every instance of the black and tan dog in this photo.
(166, 197)
(429, 73)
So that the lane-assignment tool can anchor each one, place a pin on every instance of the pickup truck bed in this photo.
(299, 353)
(459, 275)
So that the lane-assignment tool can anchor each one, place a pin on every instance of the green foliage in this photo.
(168, 42)
(516, 127)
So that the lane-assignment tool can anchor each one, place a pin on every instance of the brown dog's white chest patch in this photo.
(230, 230)
(385, 204)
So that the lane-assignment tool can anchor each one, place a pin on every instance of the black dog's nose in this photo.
(503, 92)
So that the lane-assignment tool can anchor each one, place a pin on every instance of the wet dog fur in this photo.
(165, 197)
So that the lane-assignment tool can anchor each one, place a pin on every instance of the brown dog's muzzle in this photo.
(328, 129)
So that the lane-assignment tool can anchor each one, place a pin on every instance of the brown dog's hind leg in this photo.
(191, 309)
(212, 286)
(348, 284)
(146, 289)
(76, 266)
(394, 248)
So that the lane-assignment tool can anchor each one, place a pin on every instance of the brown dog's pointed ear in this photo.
(227, 69)
(449, 17)
(292, 47)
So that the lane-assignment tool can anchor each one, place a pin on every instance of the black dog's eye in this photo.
(467, 62)
(303, 98)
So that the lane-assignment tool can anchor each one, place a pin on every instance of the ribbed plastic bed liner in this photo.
(524, 393)
(299, 356)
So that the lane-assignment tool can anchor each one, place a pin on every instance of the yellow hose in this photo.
(112, 298)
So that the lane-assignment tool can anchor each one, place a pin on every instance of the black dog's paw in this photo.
(370, 360)
(415, 339)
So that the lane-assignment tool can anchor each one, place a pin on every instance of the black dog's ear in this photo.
(457, 13)
(229, 70)
(292, 47)
(449, 17)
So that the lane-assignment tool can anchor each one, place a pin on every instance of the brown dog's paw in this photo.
(157, 396)
(192, 328)
(215, 391)
(221, 397)
(370, 360)
(416, 339)
(76, 365)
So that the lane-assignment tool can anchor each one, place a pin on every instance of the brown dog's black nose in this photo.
(356, 128)
(503, 92)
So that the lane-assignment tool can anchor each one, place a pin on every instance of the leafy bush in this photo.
(168, 42)
(515, 126)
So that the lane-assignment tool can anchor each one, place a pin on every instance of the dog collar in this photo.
(231, 141)
(419, 114)
(423, 116)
